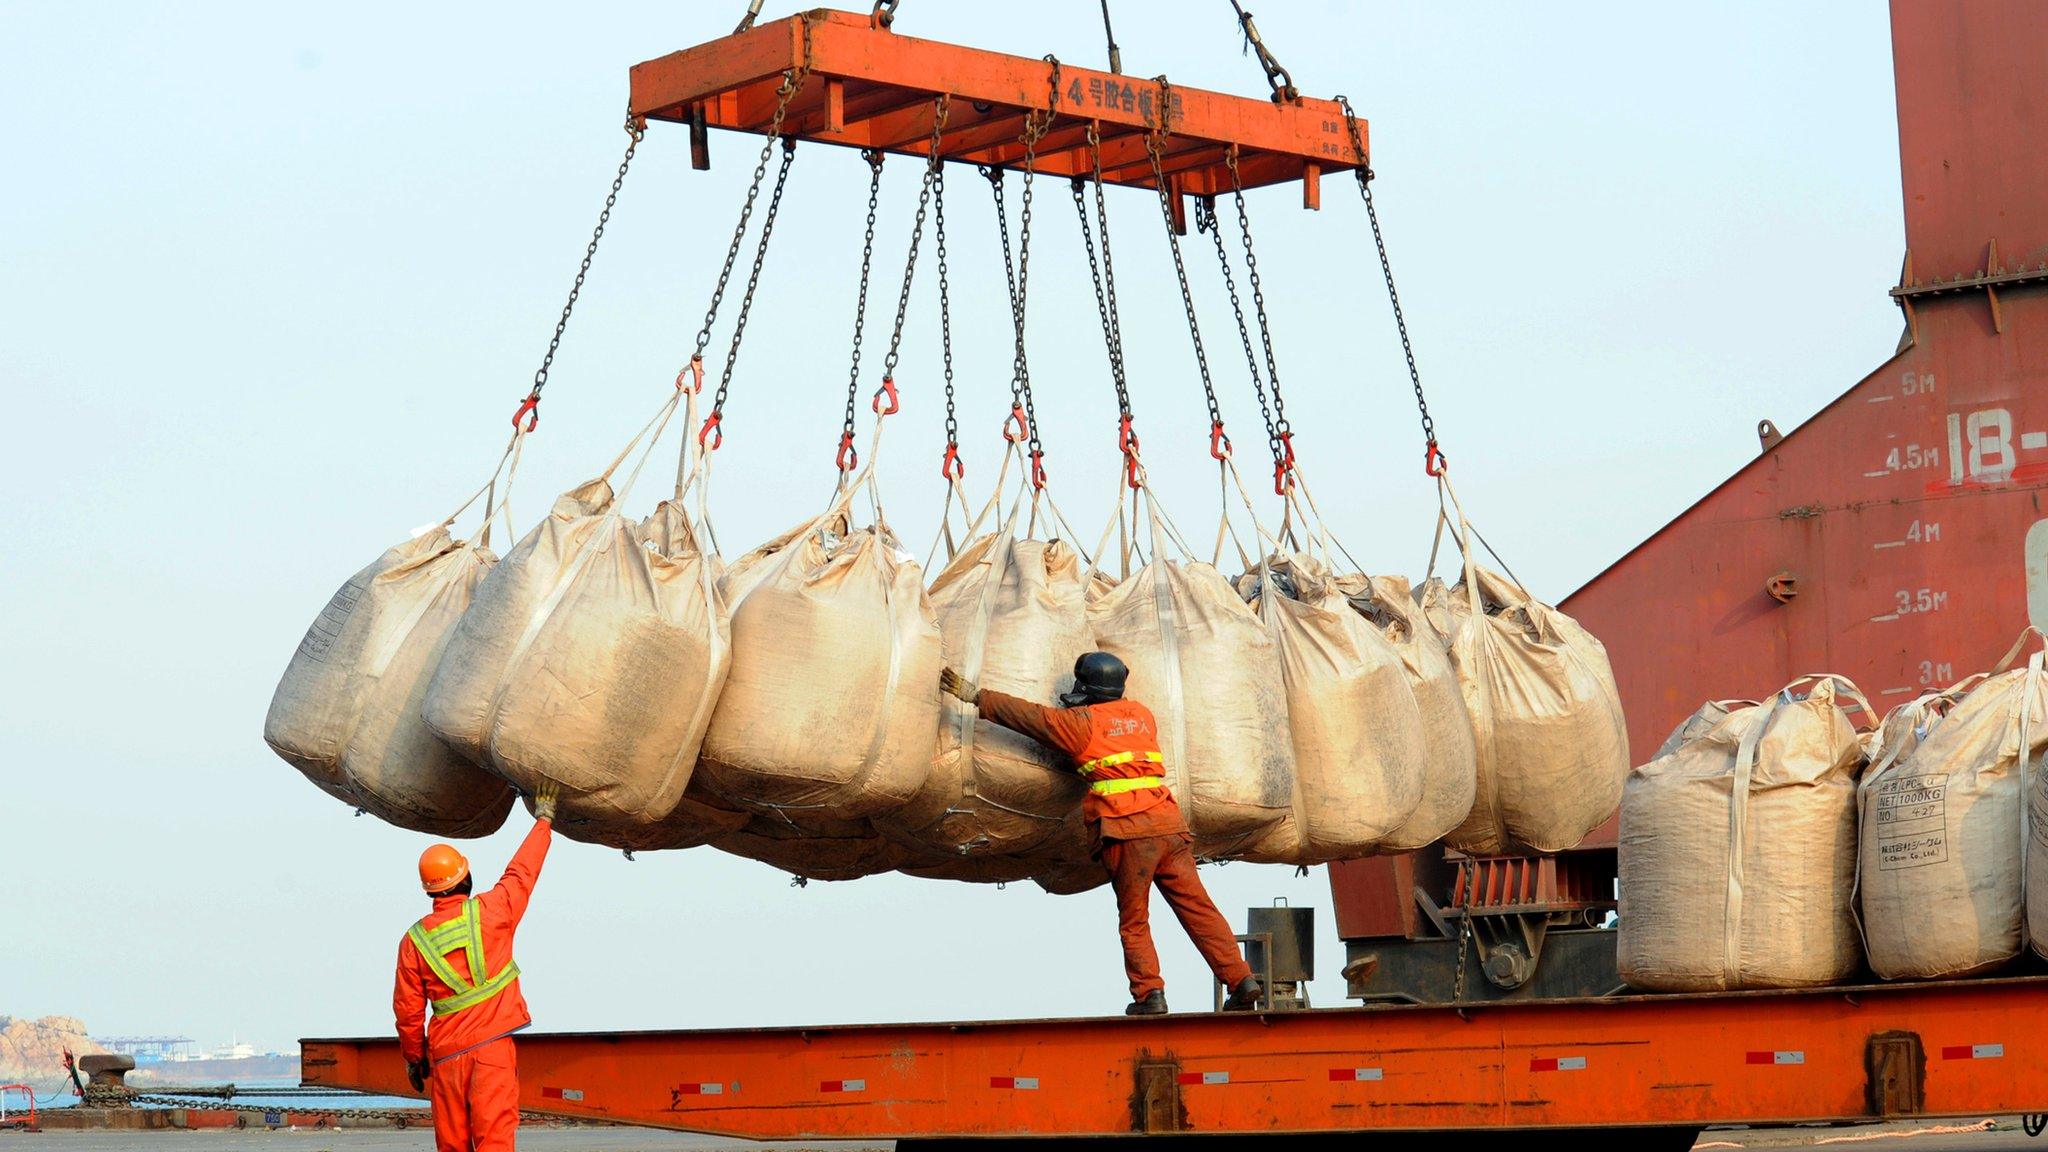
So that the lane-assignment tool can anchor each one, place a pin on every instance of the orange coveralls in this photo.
(1137, 832)
(474, 1086)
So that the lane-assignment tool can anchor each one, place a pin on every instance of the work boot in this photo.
(1245, 996)
(1154, 1004)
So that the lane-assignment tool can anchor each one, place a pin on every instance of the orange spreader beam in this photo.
(1966, 1049)
(871, 88)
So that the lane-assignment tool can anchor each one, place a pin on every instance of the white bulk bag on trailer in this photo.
(347, 710)
(1352, 719)
(831, 712)
(1450, 774)
(592, 659)
(1546, 715)
(1210, 672)
(1945, 853)
(1738, 851)
(1013, 617)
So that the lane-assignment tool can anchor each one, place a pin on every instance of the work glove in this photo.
(416, 1071)
(544, 800)
(959, 687)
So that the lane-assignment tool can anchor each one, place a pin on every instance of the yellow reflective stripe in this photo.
(432, 952)
(465, 932)
(1128, 784)
(478, 994)
(473, 912)
(1115, 758)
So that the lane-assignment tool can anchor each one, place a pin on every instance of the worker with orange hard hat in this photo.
(1135, 826)
(456, 963)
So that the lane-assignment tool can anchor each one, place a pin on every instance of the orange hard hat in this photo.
(441, 868)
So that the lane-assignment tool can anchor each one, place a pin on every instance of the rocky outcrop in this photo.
(34, 1049)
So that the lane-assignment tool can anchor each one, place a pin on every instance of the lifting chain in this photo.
(1205, 221)
(1155, 148)
(529, 408)
(1103, 276)
(1433, 459)
(849, 458)
(792, 83)
(924, 199)
(1279, 433)
(887, 392)
(1022, 425)
(950, 465)
(1282, 84)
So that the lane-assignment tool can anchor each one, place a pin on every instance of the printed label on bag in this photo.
(327, 626)
(1912, 822)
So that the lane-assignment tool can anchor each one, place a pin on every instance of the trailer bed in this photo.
(1954, 1049)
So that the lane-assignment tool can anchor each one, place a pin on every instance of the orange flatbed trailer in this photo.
(1669, 1063)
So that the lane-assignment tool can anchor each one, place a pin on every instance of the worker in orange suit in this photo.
(1134, 824)
(456, 963)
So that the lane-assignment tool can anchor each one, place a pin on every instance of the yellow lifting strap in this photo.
(464, 933)
(1115, 758)
(1127, 784)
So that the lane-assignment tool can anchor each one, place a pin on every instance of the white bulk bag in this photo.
(1738, 851)
(1013, 617)
(821, 849)
(1546, 715)
(1351, 716)
(1449, 768)
(831, 712)
(347, 711)
(1210, 672)
(1944, 849)
(1073, 879)
(592, 659)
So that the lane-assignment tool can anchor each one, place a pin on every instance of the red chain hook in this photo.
(529, 408)
(849, 456)
(711, 425)
(1283, 468)
(1022, 431)
(1219, 442)
(951, 467)
(694, 367)
(1038, 470)
(1127, 443)
(1433, 460)
(888, 390)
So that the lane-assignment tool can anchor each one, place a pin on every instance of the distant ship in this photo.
(176, 1059)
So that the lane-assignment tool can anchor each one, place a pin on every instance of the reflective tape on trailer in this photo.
(1775, 1057)
(843, 1086)
(1205, 1077)
(1350, 1075)
(571, 1094)
(1557, 1064)
(1973, 1052)
(699, 1089)
(1019, 1083)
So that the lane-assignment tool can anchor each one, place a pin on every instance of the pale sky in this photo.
(273, 277)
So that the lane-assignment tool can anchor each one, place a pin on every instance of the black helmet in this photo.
(1098, 677)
